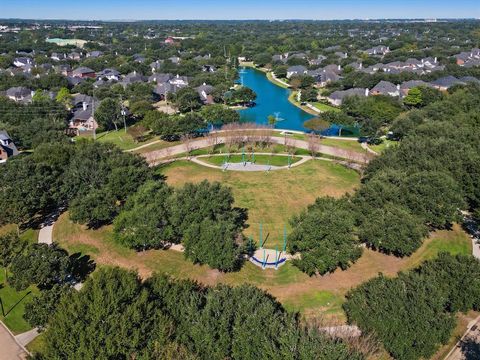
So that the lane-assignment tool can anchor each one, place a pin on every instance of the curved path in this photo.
(154, 157)
(248, 166)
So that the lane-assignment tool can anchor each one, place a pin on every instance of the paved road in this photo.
(468, 348)
(9, 348)
(154, 157)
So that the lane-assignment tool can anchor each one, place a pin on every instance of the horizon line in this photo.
(244, 19)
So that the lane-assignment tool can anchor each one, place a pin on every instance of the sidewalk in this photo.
(9, 348)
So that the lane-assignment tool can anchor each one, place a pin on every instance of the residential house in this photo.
(446, 82)
(341, 55)
(64, 69)
(21, 62)
(163, 89)
(169, 41)
(178, 80)
(386, 88)
(296, 70)
(323, 76)
(84, 72)
(378, 50)
(139, 58)
(20, 94)
(74, 55)
(109, 74)
(202, 58)
(468, 58)
(133, 78)
(94, 54)
(337, 97)
(7, 147)
(205, 93)
(209, 68)
(160, 78)
(318, 61)
(156, 65)
(175, 60)
(57, 56)
(83, 115)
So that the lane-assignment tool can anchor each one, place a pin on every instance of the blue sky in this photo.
(237, 9)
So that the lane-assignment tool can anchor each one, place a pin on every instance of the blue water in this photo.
(271, 100)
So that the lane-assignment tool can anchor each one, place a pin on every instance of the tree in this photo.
(42, 265)
(10, 247)
(188, 99)
(109, 114)
(323, 234)
(144, 222)
(309, 94)
(64, 97)
(111, 317)
(195, 203)
(213, 243)
(392, 229)
(414, 313)
(244, 95)
(42, 307)
(433, 196)
(140, 108)
(414, 97)
(219, 115)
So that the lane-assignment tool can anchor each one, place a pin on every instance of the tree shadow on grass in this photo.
(470, 349)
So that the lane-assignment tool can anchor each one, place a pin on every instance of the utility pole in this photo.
(123, 111)
(93, 116)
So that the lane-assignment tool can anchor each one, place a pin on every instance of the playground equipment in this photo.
(268, 258)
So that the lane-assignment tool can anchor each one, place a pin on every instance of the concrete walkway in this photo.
(10, 349)
(45, 235)
(155, 157)
(249, 166)
(27, 337)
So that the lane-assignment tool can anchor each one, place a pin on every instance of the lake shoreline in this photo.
(269, 76)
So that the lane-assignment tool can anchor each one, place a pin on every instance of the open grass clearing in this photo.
(271, 198)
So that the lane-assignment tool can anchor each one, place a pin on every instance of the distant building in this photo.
(7, 147)
(386, 88)
(20, 94)
(84, 72)
(337, 97)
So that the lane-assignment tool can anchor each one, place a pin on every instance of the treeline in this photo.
(414, 313)
(411, 189)
(92, 179)
(33, 124)
(116, 315)
(99, 184)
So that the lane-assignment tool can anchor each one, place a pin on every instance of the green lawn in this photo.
(271, 198)
(324, 107)
(384, 145)
(14, 305)
(259, 159)
(123, 140)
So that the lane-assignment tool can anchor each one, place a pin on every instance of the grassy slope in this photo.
(272, 198)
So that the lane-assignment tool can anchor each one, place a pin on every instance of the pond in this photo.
(271, 100)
